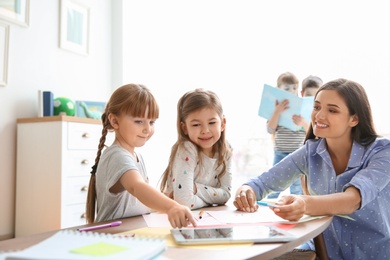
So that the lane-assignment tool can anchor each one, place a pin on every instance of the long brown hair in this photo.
(357, 102)
(191, 102)
(131, 99)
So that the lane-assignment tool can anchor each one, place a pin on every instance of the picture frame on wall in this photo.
(15, 11)
(74, 27)
(4, 43)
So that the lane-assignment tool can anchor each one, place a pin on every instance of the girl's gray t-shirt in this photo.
(114, 162)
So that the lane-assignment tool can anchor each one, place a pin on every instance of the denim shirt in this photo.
(367, 236)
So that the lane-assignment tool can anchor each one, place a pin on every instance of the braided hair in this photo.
(131, 99)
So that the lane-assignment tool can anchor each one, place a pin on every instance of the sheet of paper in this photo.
(170, 241)
(226, 217)
(262, 215)
(156, 219)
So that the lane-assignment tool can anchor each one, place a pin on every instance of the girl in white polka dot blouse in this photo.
(199, 170)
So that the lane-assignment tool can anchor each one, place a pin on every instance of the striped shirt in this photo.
(288, 141)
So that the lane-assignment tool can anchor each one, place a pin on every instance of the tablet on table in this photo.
(231, 234)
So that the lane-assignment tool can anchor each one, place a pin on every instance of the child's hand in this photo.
(298, 120)
(180, 216)
(281, 107)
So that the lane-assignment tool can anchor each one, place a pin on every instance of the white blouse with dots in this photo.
(186, 172)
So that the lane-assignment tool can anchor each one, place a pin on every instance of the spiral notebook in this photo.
(72, 244)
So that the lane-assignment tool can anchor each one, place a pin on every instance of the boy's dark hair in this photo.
(311, 82)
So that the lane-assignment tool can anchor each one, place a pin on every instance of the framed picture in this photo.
(15, 11)
(74, 27)
(90, 109)
(4, 43)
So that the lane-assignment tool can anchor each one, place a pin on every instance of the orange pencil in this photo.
(201, 214)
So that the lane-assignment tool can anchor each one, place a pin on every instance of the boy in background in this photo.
(310, 85)
(287, 141)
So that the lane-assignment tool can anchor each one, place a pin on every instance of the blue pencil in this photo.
(267, 204)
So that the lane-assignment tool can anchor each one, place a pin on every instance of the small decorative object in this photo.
(45, 103)
(64, 106)
(90, 109)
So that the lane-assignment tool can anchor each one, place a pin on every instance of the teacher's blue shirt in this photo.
(367, 236)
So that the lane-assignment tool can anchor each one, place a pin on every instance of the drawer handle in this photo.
(83, 215)
(85, 135)
(84, 188)
(85, 161)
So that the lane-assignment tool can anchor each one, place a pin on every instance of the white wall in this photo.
(36, 62)
(234, 47)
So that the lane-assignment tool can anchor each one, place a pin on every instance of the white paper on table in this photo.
(156, 219)
(262, 215)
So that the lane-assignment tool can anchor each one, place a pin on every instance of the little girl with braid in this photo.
(199, 170)
(118, 185)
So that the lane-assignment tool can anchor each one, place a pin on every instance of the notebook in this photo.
(231, 234)
(72, 244)
(297, 106)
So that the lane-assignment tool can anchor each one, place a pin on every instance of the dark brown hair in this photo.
(357, 102)
(311, 82)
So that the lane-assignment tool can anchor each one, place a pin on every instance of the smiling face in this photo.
(204, 128)
(330, 116)
(131, 131)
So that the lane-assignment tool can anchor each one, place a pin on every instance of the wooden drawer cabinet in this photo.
(54, 160)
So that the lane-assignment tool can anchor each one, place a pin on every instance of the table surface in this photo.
(304, 232)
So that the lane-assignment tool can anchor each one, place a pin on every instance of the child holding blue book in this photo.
(285, 140)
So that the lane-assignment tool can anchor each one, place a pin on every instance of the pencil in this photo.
(267, 204)
(112, 224)
(201, 214)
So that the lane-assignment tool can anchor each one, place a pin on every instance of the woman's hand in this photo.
(245, 199)
(290, 207)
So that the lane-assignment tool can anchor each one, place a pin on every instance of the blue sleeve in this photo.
(374, 175)
(280, 176)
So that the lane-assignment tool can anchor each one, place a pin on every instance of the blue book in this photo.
(48, 105)
(298, 106)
